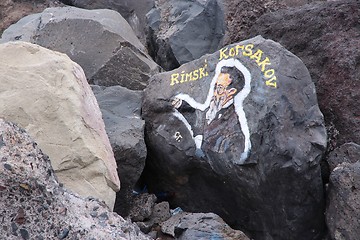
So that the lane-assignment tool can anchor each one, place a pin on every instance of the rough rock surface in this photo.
(133, 11)
(13, 10)
(343, 203)
(240, 15)
(239, 133)
(190, 226)
(326, 36)
(142, 207)
(120, 109)
(47, 94)
(159, 213)
(100, 41)
(346, 153)
(34, 205)
(181, 31)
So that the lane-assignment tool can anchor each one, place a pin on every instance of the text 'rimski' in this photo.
(194, 75)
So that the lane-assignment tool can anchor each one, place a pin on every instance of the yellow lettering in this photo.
(248, 50)
(188, 76)
(271, 82)
(232, 52)
(202, 74)
(269, 73)
(264, 63)
(239, 47)
(174, 79)
(196, 75)
(222, 53)
(182, 76)
(257, 56)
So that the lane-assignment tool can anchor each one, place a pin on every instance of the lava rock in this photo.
(142, 207)
(343, 203)
(118, 57)
(241, 15)
(181, 31)
(326, 37)
(159, 213)
(120, 109)
(346, 153)
(239, 133)
(33, 184)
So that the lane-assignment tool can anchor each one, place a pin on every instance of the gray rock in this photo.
(343, 210)
(200, 226)
(133, 11)
(239, 133)
(101, 41)
(160, 213)
(181, 31)
(120, 109)
(346, 153)
(31, 185)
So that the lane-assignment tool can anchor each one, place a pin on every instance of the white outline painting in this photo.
(237, 100)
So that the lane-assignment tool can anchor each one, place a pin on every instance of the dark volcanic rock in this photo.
(142, 207)
(343, 208)
(181, 31)
(159, 213)
(241, 15)
(239, 133)
(133, 11)
(190, 226)
(346, 153)
(120, 109)
(34, 205)
(326, 37)
(101, 41)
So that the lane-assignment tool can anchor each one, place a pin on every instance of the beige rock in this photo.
(47, 94)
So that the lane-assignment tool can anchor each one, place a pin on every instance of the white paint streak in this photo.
(238, 103)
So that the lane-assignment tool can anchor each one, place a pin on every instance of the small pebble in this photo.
(64, 233)
(7, 166)
(24, 233)
(93, 214)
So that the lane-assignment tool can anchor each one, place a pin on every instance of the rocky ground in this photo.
(258, 133)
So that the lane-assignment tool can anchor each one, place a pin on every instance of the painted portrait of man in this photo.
(223, 125)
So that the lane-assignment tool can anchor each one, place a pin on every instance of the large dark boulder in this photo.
(100, 41)
(133, 11)
(181, 30)
(239, 133)
(241, 15)
(120, 109)
(343, 203)
(326, 36)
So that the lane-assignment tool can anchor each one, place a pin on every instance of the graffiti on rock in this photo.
(224, 104)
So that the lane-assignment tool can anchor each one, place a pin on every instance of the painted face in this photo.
(222, 96)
